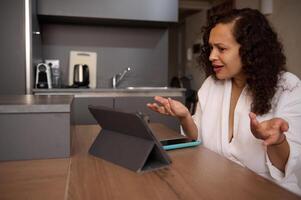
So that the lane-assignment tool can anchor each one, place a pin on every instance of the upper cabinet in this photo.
(12, 49)
(139, 10)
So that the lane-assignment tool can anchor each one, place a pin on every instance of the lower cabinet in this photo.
(35, 127)
(81, 113)
(128, 104)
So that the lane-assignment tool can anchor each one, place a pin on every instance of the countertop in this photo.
(111, 92)
(35, 103)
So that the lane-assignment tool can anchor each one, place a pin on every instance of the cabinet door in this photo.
(81, 114)
(12, 48)
(138, 104)
(145, 10)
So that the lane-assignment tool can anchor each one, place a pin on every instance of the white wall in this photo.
(285, 19)
(255, 4)
(193, 35)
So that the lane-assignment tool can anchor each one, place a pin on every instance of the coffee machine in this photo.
(43, 76)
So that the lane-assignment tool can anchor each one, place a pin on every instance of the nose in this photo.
(213, 55)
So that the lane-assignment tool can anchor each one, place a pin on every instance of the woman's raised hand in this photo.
(271, 131)
(168, 106)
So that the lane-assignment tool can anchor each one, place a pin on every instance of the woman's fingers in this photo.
(151, 106)
(254, 122)
(284, 126)
(271, 131)
(274, 139)
(167, 106)
(254, 125)
(270, 140)
(259, 130)
(161, 100)
(155, 107)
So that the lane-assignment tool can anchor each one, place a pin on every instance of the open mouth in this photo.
(217, 68)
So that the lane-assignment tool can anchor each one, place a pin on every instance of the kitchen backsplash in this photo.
(145, 50)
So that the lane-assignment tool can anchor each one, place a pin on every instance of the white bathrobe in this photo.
(212, 117)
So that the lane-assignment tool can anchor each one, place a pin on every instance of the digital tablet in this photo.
(126, 140)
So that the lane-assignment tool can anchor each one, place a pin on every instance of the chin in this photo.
(221, 77)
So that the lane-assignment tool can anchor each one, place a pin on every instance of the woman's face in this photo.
(224, 56)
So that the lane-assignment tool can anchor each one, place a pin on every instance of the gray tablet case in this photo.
(126, 140)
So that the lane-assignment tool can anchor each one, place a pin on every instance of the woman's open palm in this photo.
(168, 106)
(271, 131)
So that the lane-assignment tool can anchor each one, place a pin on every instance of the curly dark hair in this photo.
(260, 50)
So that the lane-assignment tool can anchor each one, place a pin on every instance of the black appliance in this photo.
(43, 76)
(81, 76)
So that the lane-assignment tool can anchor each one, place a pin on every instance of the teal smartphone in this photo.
(179, 143)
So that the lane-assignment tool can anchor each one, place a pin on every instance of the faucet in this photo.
(118, 77)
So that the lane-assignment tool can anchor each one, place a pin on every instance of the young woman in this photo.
(249, 107)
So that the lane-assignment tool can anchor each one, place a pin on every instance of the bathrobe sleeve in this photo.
(288, 107)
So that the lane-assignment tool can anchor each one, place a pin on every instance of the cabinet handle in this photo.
(36, 33)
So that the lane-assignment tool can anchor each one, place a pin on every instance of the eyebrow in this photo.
(218, 44)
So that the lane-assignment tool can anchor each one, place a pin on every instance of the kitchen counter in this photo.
(111, 92)
(128, 99)
(35, 127)
(35, 104)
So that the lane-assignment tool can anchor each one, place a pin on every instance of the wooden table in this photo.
(195, 173)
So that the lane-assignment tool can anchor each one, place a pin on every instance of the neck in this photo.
(239, 82)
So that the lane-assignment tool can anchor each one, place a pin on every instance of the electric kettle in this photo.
(81, 75)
